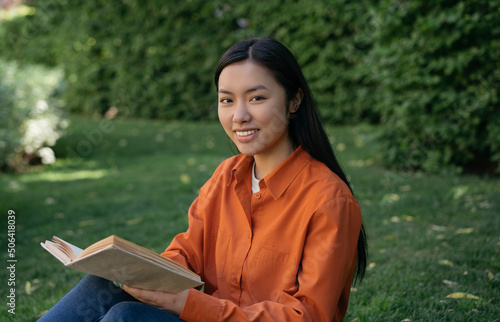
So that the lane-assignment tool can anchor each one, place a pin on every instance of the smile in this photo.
(245, 133)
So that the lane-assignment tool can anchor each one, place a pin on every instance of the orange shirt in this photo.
(286, 253)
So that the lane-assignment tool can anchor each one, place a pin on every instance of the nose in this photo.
(241, 113)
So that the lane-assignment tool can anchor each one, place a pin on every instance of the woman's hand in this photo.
(171, 302)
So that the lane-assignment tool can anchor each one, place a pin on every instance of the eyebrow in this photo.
(253, 89)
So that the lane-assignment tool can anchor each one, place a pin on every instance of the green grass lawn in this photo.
(429, 235)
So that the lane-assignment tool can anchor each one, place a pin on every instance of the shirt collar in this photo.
(280, 178)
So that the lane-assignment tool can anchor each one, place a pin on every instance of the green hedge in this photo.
(437, 68)
(426, 71)
(156, 58)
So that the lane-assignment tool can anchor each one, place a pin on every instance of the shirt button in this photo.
(257, 195)
(235, 281)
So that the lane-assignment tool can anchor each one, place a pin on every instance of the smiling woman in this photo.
(276, 233)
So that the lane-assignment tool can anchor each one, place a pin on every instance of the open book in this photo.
(124, 262)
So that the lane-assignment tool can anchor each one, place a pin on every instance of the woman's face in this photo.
(253, 110)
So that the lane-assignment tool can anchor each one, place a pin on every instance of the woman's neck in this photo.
(266, 163)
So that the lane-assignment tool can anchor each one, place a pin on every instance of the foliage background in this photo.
(428, 73)
(424, 74)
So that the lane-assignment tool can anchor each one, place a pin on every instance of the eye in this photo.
(258, 98)
(225, 101)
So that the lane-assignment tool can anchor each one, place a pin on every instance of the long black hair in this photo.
(305, 127)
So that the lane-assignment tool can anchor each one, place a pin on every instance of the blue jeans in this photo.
(97, 299)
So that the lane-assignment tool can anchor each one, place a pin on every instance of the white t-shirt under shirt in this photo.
(255, 181)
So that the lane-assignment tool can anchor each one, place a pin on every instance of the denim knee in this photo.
(137, 311)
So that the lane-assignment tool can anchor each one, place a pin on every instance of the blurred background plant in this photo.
(30, 120)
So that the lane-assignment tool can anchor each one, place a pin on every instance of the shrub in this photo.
(29, 121)
(435, 65)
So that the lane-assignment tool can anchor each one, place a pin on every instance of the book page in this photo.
(76, 250)
(51, 247)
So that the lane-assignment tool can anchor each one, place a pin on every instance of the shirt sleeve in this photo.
(323, 282)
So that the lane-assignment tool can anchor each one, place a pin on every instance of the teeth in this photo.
(245, 133)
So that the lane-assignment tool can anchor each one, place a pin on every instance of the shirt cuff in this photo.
(201, 307)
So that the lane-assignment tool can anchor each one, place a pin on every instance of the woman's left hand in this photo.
(171, 302)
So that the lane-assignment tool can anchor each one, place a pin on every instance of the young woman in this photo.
(275, 234)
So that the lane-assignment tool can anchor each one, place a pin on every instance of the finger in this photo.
(148, 297)
(135, 292)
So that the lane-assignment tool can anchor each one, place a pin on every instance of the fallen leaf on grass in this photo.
(86, 223)
(461, 295)
(185, 178)
(30, 288)
(395, 219)
(50, 201)
(409, 218)
(445, 262)
(459, 192)
(464, 230)
(449, 283)
(439, 228)
(132, 222)
(405, 188)
(390, 198)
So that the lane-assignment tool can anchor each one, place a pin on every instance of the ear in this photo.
(295, 102)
